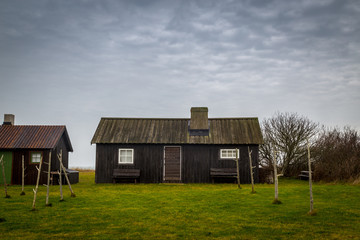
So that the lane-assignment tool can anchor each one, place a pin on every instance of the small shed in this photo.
(31, 143)
(183, 150)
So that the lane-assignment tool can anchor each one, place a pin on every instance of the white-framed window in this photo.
(126, 156)
(228, 153)
(35, 157)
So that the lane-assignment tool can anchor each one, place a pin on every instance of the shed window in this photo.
(228, 153)
(35, 157)
(126, 156)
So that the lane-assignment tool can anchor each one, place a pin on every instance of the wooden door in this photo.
(172, 164)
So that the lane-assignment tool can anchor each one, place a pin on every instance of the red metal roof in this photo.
(32, 137)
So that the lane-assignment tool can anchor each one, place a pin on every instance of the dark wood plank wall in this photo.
(55, 164)
(147, 158)
(30, 169)
(198, 159)
(196, 162)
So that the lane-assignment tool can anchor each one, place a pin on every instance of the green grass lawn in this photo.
(189, 211)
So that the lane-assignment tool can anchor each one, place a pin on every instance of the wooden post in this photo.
(22, 175)
(48, 182)
(3, 171)
(276, 200)
(312, 212)
(237, 168)
(251, 171)
(66, 177)
(37, 183)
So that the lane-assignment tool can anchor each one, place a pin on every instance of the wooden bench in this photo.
(304, 175)
(222, 173)
(126, 173)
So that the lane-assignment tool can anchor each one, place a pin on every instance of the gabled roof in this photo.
(32, 137)
(176, 131)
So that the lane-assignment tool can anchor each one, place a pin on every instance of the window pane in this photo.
(128, 153)
(35, 157)
(126, 156)
(228, 153)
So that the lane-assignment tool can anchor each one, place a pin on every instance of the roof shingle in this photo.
(32, 137)
(176, 131)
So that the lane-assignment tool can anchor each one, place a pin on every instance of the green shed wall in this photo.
(7, 158)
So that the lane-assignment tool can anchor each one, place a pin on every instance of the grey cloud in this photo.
(87, 59)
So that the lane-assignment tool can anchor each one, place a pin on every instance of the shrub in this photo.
(336, 155)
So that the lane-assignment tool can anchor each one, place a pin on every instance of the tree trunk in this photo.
(37, 183)
(60, 184)
(251, 172)
(22, 175)
(276, 200)
(237, 168)
(60, 178)
(66, 177)
(48, 181)
(3, 170)
(310, 182)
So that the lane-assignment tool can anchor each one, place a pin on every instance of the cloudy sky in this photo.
(72, 62)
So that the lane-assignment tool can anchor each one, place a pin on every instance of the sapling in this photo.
(22, 175)
(251, 171)
(237, 168)
(276, 200)
(312, 212)
(48, 182)
(66, 177)
(37, 183)
(60, 179)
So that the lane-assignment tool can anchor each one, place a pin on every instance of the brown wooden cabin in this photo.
(176, 150)
(32, 143)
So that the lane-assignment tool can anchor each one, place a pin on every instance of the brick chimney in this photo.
(9, 119)
(199, 118)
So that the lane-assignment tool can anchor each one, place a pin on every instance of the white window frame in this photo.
(35, 155)
(132, 155)
(227, 150)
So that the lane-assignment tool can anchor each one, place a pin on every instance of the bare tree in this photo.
(22, 175)
(288, 133)
(251, 171)
(60, 184)
(65, 174)
(37, 183)
(311, 212)
(237, 168)
(48, 182)
(276, 183)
